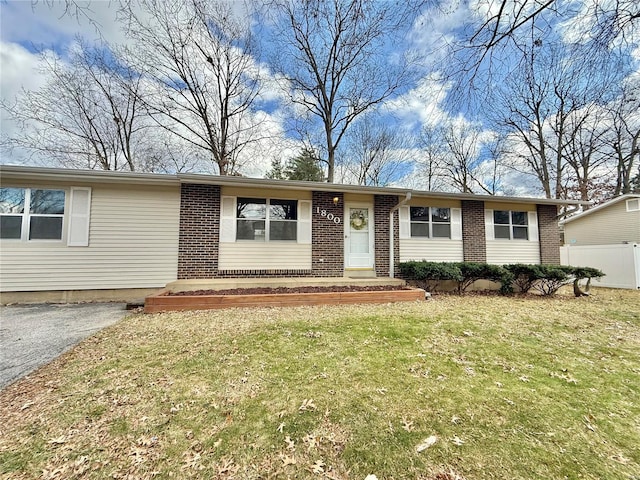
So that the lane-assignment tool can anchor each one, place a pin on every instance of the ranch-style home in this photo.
(84, 234)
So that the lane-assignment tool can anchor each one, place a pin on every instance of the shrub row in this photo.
(545, 279)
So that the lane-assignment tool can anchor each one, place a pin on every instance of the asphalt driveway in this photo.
(33, 335)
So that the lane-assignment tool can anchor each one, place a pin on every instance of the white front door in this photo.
(359, 251)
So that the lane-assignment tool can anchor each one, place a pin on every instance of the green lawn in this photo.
(505, 388)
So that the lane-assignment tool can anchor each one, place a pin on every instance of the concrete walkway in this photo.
(33, 335)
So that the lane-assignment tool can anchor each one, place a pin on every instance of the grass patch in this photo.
(503, 387)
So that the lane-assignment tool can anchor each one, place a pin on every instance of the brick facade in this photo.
(200, 224)
(549, 234)
(199, 231)
(327, 236)
(382, 206)
(474, 241)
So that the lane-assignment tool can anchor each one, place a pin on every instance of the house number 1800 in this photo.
(329, 216)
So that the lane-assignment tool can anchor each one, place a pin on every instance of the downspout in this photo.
(391, 231)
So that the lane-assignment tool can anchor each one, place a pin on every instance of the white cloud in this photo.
(423, 104)
(20, 70)
(49, 24)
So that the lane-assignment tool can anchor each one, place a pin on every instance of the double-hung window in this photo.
(263, 219)
(31, 213)
(430, 222)
(510, 225)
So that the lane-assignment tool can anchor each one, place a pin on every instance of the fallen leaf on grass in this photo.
(287, 460)
(457, 441)
(524, 378)
(192, 460)
(291, 445)
(370, 477)
(407, 425)
(311, 441)
(318, 467)
(426, 443)
(280, 428)
(588, 424)
(58, 441)
(620, 459)
(307, 404)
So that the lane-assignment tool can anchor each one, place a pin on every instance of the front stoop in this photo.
(163, 302)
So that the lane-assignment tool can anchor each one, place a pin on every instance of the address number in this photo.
(329, 216)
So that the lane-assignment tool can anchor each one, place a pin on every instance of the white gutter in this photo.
(391, 231)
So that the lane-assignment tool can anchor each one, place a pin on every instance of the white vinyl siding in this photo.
(501, 252)
(264, 256)
(610, 225)
(133, 243)
(431, 250)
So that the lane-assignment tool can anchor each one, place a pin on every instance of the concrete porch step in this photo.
(231, 283)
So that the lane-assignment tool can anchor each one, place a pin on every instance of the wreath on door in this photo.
(358, 219)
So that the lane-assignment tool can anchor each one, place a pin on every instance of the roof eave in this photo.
(11, 172)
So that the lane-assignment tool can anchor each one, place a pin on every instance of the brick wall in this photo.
(327, 237)
(474, 241)
(199, 231)
(549, 234)
(382, 206)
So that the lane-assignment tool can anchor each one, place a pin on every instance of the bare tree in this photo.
(376, 152)
(464, 165)
(625, 138)
(88, 115)
(429, 165)
(586, 133)
(547, 112)
(505, 27)
(198, 58)
(328, 51)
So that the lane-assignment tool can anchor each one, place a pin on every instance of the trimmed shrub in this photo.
(552, 278)
(580, 273)
(545, 279)
(428, 274)
(472, 271)
(525, 275)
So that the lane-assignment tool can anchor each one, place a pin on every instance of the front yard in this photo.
(472, 387)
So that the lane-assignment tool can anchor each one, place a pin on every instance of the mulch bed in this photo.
(280, 290)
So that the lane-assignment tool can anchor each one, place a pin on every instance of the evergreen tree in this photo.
(305, 166)
(277, 171)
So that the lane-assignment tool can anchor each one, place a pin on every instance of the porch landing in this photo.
(231, 283)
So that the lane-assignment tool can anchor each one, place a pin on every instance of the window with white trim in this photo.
(264, 219)
(633, 205)
(430, 222)
(31, 213)
(510, 225)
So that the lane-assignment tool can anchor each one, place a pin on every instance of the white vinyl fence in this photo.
(620, 262)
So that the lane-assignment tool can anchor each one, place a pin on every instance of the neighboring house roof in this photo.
(602, 206)
(10, 172)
